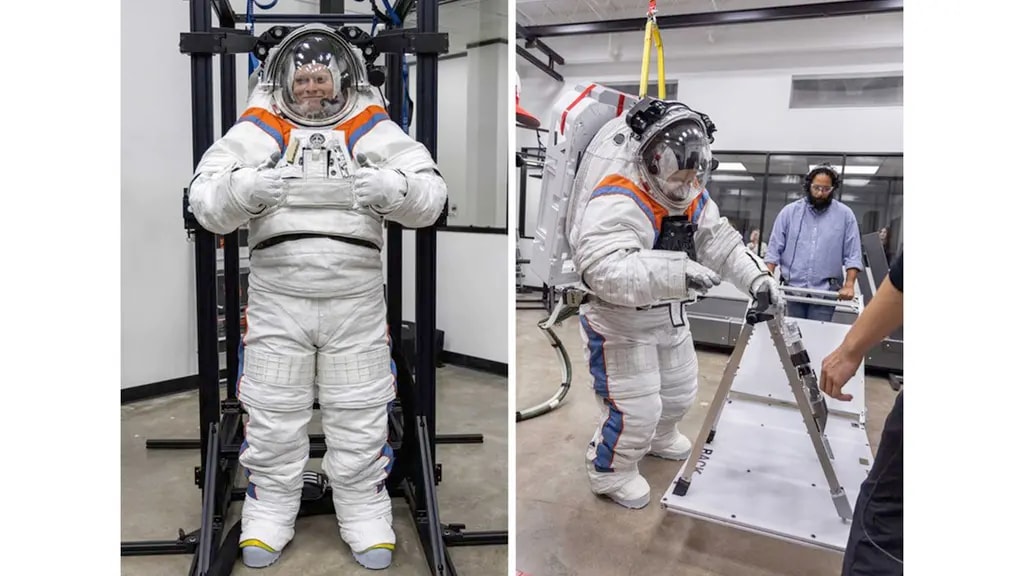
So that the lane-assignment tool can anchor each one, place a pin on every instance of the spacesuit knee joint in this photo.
(356, 380)
(276, 381)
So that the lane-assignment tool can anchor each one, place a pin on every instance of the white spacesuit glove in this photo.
(700, 277)
(381, 190)
(769, 282)
(259, 188)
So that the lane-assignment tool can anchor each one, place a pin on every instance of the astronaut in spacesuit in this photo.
(645, 236)
(314, 166)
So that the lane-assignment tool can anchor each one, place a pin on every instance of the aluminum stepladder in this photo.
(803, 383)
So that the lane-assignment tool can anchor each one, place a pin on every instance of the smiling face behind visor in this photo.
(675, 159)
(315, 78)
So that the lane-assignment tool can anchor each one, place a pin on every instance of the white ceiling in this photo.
(817, 42)
(537, 12)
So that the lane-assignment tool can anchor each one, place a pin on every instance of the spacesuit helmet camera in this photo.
(315, 75)
(674, 150)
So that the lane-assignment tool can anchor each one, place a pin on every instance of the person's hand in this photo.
(381, 190)
(836, 370)
(769, 283)
(846, 292)
(261, 187)
(700, 277)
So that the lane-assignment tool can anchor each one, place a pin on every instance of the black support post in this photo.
(426, 238)
(232, 281)
(396, 99)
(205, 242)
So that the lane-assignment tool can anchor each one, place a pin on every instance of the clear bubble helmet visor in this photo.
(675, 157)
(315, 75)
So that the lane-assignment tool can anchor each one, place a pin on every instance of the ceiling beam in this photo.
(533, 42)
(750, 16)
(546, 68)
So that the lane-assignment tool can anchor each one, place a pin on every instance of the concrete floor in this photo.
(158, 495)
(563, 529)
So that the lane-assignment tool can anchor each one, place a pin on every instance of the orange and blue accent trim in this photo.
(615, 424)
(620, 185)
(696, 208)
(275, 127)
(363, 122)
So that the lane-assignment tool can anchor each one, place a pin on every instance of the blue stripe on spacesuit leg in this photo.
(610, 434)
(388, 453)
(613, 426)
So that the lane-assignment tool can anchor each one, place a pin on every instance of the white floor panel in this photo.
(761, 473)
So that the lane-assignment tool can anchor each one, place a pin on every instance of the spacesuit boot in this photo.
(635, 493)
(376, 557)
(256, 554)
(671, 445)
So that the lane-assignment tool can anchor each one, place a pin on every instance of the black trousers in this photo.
(875, 547)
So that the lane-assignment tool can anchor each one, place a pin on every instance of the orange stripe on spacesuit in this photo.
(355, 128)
(654, 211)
(275, 126)
(696, 207)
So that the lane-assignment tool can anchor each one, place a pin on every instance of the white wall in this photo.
(472, 134)
(472, 291)
(158, 340)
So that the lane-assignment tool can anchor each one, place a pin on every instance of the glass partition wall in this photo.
(751, 188)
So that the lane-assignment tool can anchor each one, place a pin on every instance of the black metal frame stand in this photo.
(412, 422)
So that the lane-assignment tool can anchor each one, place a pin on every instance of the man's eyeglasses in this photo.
(820, 188)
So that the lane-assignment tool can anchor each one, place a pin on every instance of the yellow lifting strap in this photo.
(651, 33)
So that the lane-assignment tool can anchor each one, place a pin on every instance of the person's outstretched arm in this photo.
(881, 317)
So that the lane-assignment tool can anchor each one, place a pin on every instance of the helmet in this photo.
(314, 75)
(674, 151)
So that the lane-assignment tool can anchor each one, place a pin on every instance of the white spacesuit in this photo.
(641, 181)
(313, 166)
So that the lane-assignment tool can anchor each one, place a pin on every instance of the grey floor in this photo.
(563, 529)
(158, 496)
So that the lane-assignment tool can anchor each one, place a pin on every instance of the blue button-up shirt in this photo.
(811, 247)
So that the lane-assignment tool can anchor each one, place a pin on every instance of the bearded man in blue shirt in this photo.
(813, 240)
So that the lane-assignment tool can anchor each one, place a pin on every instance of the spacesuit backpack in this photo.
(573, 123)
